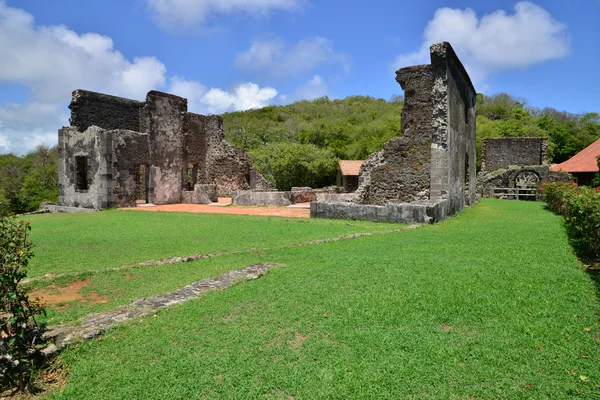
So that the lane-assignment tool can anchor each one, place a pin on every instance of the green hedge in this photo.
(580, 206)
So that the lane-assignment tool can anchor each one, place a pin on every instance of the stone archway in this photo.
(527, 182)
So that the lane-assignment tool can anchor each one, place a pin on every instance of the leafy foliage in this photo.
(357, 126)
(351, 128)
(580, 207)
(17, 312)
(503, 115)
(295, 164)
(27, 181)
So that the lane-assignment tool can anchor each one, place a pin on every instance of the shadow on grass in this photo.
(591, 267)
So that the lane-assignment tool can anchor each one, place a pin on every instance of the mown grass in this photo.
(491, 303)
(101, 240)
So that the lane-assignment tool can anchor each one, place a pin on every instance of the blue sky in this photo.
(226, 55)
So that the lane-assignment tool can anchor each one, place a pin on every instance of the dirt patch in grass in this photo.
(53, 295)
(297, 341)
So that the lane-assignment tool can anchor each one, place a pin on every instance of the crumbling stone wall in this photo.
(91, 147)
(105, 111)
(222, 164)
(401, 171)
(111, 136)
(511, 177)
(502, 153)
(434, 159)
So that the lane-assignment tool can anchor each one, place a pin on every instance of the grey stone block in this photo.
(250, 198)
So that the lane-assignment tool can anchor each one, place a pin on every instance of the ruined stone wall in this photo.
(117, 134)
(455, 151)
(129, 149)
(501, 153)
(400, 172)
(91, 146)
(226, 166)
(517, 177)
(163, 117)
(434, 159)
(108, 112)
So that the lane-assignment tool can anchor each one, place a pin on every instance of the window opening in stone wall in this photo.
(191, 176)
(81, 178)
(142, 178)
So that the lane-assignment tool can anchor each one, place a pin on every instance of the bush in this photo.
(19, 328)
(580, 207)
(294, 164)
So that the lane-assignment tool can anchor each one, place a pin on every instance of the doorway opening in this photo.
(142, 180)
(191, 177)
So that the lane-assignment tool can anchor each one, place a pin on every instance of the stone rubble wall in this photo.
(501, 153)
(400, 172)
(118, 134)
(506, 178)
(431, 166)
(202, 194)
(303, 195)
(105, 111)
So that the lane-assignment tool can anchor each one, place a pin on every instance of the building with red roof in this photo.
(348, 173)
(583, 165)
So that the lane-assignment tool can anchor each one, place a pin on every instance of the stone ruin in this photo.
(428, 173)
(119, 152)
(502, 153)
(512, 167)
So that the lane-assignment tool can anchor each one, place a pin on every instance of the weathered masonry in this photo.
(118, 150)
(505, 152)
(512, 167)
(428, 173)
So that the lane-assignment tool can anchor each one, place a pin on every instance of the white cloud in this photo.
(279, 59)
(24, 126)
(313, 89)
(185, 14)
(242, 97)
(52, 61)
(496, 41)
(4, 144)
(216, 100)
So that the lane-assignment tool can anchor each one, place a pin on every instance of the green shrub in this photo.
(580, 207)
(295, 164)
(20, 331)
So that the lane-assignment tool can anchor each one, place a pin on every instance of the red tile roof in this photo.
(584, 161)
(350, 167)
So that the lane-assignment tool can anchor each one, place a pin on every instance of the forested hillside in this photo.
(27, 181)
(357, 126)
(299, 144)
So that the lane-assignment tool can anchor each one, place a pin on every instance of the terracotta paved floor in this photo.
(201, 208)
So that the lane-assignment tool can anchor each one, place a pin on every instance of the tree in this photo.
(294, 164)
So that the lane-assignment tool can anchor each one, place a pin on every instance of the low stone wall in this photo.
(303, 195)
(336, 198)
(202, 194)
(250, 198)
(424, 212)
(64, 209)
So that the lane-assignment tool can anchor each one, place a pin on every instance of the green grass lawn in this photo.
(489, 304)
(101, 240)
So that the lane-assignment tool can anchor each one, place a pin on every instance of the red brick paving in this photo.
(201, 208)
